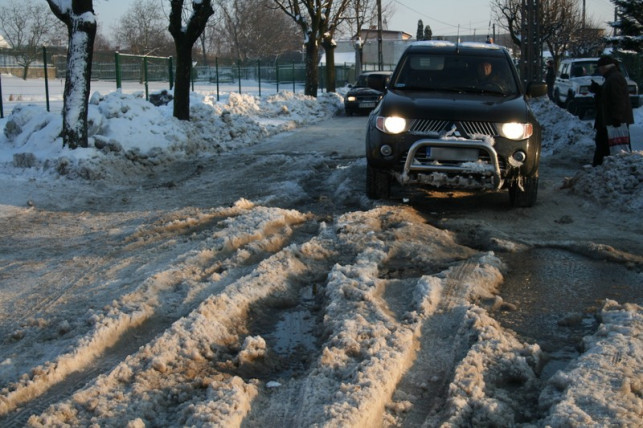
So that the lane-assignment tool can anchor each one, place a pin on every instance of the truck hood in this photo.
(365, 91)
(455, 106)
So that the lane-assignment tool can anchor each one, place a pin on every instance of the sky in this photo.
(469, 15)
(445, 18)
(179, 283)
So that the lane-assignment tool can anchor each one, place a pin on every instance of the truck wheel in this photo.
(574, 108)
(569, 101)
(557, 98)
(378, 183)
(523, 196)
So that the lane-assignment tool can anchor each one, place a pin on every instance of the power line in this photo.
(457, 27)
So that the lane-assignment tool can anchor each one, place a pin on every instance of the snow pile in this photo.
(126, 129)
(617, 184)
(597, 391)
(129, 136)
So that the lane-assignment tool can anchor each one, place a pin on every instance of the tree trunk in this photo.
(77, 82)
(184, 38)
(331, 84)
(182, 80)
(312, 68)
(81, 29)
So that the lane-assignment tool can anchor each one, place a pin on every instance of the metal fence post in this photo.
(259, 75)
(171, 72)
(147, 89)
(44, 60)
(277, 74)
(239, 74)
(117, 65)
(1, 108)
(293, 77)
(216, 71)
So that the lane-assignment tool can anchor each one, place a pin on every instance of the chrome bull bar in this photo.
(411, 166)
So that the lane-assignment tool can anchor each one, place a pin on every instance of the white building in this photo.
(393, 45)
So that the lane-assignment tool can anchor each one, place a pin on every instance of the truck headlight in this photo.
(391, 124)
(516, 131)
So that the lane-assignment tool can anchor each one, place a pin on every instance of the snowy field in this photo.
(189, 286)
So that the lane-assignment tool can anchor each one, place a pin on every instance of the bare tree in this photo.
(27, 27)
(78, 16)
(102, 43)
(363, 14)
(256, 29)
(588, 40)
(232, 14)
(559, 23)
(318, 21)
(186, 33)
(143, 29)
(336, 15)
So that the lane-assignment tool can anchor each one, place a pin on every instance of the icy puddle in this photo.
(557, 295)
(290, 333)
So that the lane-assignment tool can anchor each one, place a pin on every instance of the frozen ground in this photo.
(207, 274)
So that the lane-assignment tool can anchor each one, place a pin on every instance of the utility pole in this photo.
(530, 48)
(380, 57)
(584, 14)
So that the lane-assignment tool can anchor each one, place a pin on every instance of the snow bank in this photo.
(618, 183)
(605, 384)
(128, 132)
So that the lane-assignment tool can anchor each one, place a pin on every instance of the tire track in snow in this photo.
(202, 352)
(161, 300)
(441, 344)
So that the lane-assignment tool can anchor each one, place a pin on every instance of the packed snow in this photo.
(199, 286)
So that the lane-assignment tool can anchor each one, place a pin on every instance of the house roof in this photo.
(386, 34)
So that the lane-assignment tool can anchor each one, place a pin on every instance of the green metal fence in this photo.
(222, 77)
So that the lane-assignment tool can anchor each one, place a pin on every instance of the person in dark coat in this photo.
(613, 106)
(550, 79)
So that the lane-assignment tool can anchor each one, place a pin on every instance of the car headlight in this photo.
(391, 124)
(351, 99)
(516, 131)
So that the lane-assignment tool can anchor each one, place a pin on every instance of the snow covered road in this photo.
(259, 287)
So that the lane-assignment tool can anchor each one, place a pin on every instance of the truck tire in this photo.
(559, 102)
(378, 183)
(525, 196)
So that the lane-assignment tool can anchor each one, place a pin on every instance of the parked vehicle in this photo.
(571, 89)
(367, 92)
(443, 125)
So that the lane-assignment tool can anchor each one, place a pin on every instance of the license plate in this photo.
(451, 154)
(366, 105)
